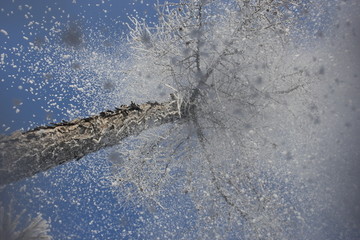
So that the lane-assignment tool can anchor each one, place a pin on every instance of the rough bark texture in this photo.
(23, 154)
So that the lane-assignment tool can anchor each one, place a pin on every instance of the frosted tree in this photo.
(36, 228)
(227, 68)
(226, 63)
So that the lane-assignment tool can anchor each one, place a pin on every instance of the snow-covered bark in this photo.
(24, 154)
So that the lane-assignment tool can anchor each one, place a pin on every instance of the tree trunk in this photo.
(23, 154)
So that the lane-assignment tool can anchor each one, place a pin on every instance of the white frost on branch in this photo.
(36, 228)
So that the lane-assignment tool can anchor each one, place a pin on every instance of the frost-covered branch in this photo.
(36, 229)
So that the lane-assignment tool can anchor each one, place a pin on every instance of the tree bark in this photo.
(23, 154)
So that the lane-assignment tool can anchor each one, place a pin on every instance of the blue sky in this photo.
(24, 22)
(74, 196)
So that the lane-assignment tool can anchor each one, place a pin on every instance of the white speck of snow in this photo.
(4, 32)
(2, 58)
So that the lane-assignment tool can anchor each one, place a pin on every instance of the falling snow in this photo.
(269, 148)
(4, 32)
